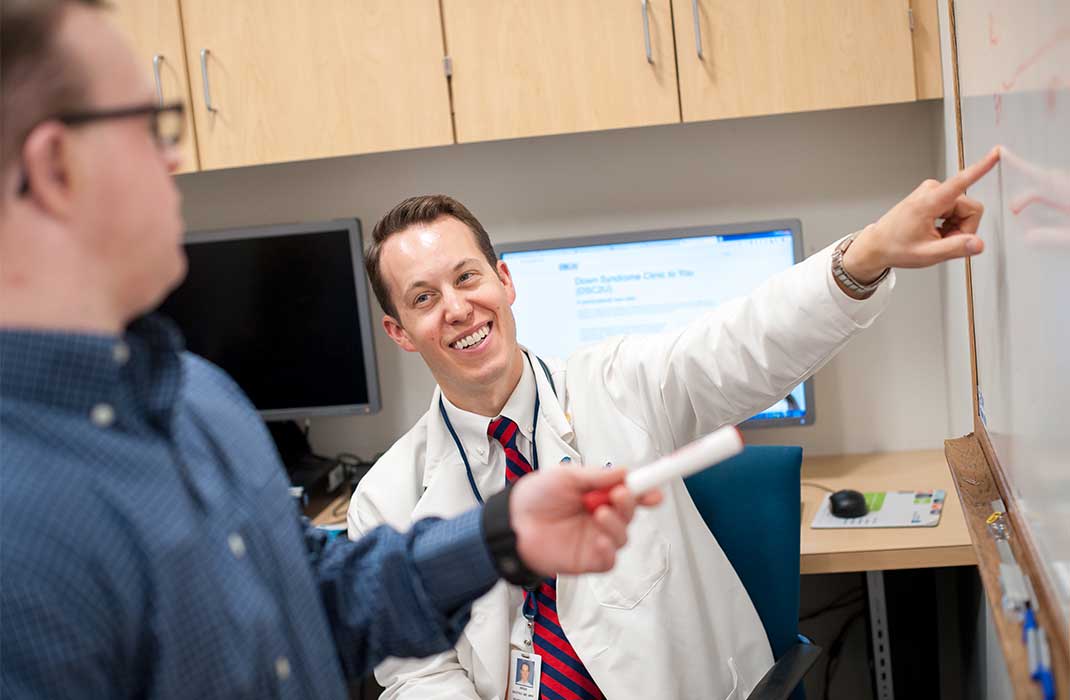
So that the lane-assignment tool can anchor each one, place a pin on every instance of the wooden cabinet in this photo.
(294, 80)
(928, 72)
(523, 68)
(775, 56)
(269, 81)
(154, 29)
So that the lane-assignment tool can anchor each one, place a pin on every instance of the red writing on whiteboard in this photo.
(1041, 202)
(1060, 36)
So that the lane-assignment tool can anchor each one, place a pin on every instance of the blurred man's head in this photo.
(90, 221)
(447, 297)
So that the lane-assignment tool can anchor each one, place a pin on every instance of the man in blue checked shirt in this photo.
(150, 548)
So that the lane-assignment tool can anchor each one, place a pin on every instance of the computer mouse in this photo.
(848, 504)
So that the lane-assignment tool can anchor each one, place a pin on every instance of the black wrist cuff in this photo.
(501, 541)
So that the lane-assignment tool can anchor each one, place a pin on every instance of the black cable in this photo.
(836, 647)
(834, 603)
(830, 608)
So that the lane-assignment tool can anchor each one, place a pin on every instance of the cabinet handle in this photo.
(157, 59)
(204, 78)
(698, 29)
(646, 30)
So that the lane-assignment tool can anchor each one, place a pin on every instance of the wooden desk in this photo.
(832, 551)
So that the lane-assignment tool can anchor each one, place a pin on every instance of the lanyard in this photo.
(534, 427)
(531, 603)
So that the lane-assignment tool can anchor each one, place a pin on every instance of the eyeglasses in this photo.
(167, 124)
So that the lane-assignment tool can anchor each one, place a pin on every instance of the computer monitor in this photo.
(284, 310)
(573, 291)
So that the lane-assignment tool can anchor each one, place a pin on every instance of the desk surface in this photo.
(831, 551)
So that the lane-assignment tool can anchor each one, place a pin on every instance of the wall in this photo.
(836, 171)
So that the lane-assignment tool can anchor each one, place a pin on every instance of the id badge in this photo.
(525, 674)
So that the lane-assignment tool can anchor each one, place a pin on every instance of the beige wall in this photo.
(836, 171)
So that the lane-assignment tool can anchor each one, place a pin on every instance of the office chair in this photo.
(751, 505)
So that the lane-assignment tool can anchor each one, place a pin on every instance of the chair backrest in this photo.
(751, 505)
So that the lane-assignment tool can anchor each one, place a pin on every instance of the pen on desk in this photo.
(1032, 653)
(1038, 654)
(1044, 675)
(693, 457)
(1029, 623)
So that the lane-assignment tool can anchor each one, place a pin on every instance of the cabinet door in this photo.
(291, 79)
(154, 30)
(523, 68)
(773, 56)
(928, 73)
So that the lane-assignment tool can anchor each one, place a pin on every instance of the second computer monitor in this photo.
(575, 291)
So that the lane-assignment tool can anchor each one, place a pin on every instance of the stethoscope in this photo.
(531, 604)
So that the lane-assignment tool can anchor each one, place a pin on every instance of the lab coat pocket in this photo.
(641, 565)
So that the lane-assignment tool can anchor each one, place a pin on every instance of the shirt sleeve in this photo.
(403, 595)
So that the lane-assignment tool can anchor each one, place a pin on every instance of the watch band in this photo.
(501, 541)
(845, 279)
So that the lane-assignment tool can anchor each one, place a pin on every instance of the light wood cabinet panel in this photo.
(154, 28)
(928, 72)
(523, 68)
(293, 80)
(775, 56)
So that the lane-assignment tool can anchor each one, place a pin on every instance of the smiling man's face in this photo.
(454, 308)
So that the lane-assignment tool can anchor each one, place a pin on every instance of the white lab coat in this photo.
(672, 619)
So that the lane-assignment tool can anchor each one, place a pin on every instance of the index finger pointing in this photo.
(956, 185)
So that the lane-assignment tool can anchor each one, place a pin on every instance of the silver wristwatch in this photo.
(845, 279)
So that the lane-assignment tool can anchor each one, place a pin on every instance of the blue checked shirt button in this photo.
(120, 352)
(282, 668)
(102, 415)
(236, 544)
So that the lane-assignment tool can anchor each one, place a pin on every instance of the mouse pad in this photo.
(888, 509)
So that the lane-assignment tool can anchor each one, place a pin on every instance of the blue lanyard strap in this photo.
(531, 605)
(534, 427)
(534, 422)
(460, 448)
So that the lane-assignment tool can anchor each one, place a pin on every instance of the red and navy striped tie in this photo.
(563, 675)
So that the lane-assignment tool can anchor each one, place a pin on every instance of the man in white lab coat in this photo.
(672, 620)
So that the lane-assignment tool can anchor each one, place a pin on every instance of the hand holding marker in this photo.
(693, 457)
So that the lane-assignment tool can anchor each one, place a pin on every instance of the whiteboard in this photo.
(1014, 87)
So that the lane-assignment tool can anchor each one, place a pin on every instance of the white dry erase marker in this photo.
(693, 457)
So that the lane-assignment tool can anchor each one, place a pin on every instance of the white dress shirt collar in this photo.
(471, 427)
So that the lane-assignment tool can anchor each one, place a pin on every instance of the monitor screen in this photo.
(576, 291)
(284, 311)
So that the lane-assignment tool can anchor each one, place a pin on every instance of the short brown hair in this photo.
(39, 81)
(418, 210)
